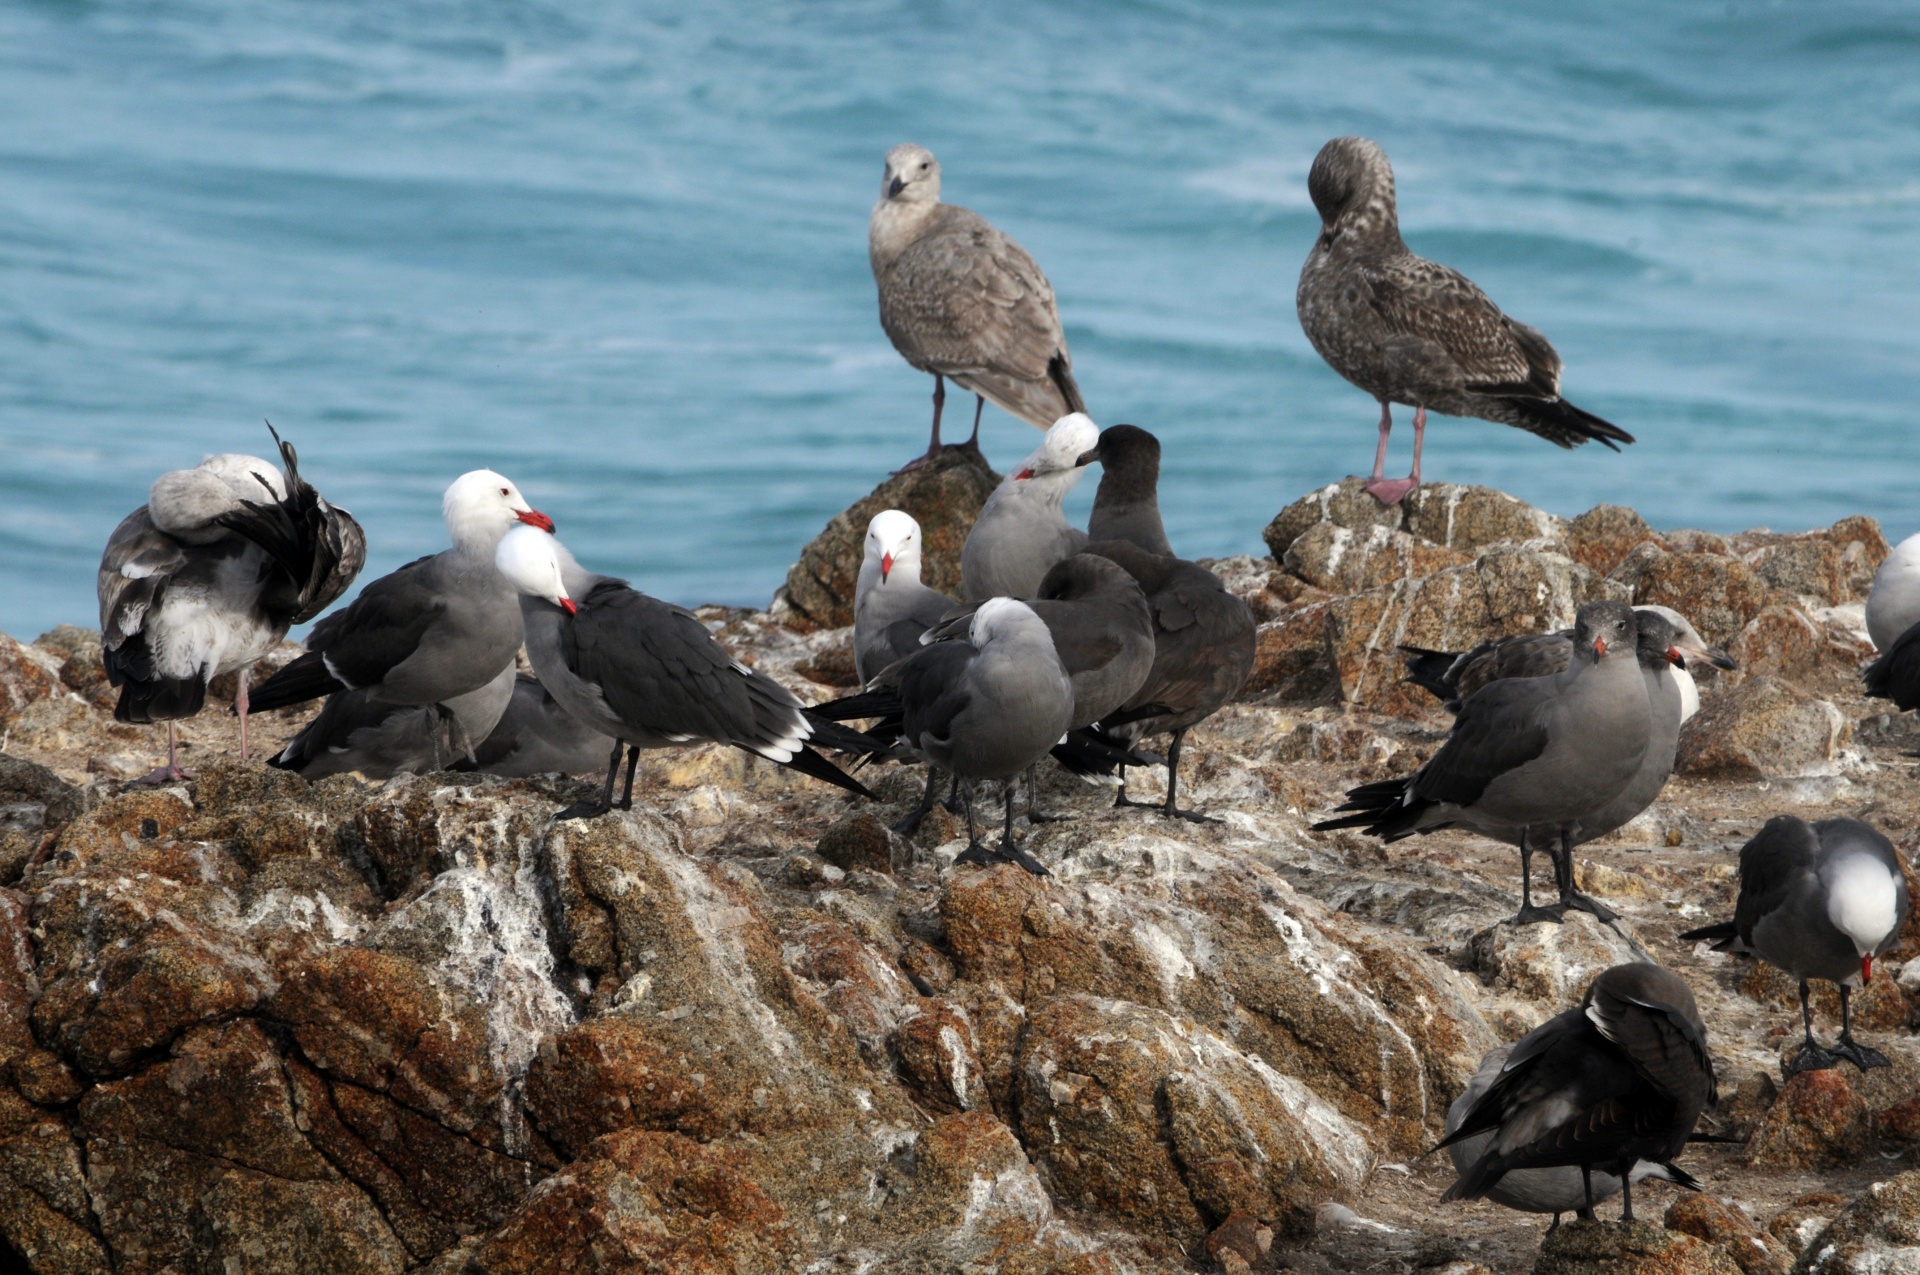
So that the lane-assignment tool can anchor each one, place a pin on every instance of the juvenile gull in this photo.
(208, 575)
(961, 300)
(535, 736)
(1203, 651)
(355, 733)
(1022, 530)
(436, 629)
(1530, 758)
(891, 608)
(1620, 1080)
(1817, 900)
(1557, 1190)
(1126, 506)
(647, 674)
(1412, 331)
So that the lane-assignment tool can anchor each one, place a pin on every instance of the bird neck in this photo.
(893, 228)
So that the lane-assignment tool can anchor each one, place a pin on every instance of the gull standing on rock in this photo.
(1817, 900)
(1023, 530)
(1530, 757)
(961, 300)
(1893, 621)
(891, 608)
(357, 733)
(647, 674)
(1619, 1081)
(207, 576)
(1414, 332)
(535, 736)
(1561, 1189)
(425, 635)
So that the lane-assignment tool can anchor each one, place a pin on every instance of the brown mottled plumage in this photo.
(1412, 331)
(961, 300)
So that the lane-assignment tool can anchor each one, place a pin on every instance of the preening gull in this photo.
(1530, 757)
(535, 736)
(356, 733)
(1619, 1080)
(208, 575)
(1414, 332)
(438, 628)
(647, 674)
(1023, 530)
(961, 300)
(1817, 900)
(891, 608)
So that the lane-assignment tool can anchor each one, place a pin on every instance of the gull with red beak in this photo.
(1530, 757)
(647, 674)
(1817, 900)
(891, 608)
(1022, 530)
(435, 630)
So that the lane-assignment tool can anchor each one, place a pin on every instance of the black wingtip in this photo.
(1723, 932)
(160, 699)
(808, 762)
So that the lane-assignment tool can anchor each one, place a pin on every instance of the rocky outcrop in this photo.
(254, 1023)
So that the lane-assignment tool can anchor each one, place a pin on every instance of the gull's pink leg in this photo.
(1390, 491)
(1419, 440)
(171, 772)
(240, 707)
(933, 444)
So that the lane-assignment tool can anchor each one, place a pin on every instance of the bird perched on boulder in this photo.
(961, 300)
(1023, 530)
(891, 608)
(1560, 1189)
(1620, 1080)
(1893, 621)
(1414, 332)
(208, 575)
(1530, 758)
(647, 674)
(1817, 900)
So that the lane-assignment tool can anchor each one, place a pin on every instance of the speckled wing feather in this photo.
(1441, 318)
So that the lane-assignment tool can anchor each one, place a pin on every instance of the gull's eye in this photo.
(504, 492)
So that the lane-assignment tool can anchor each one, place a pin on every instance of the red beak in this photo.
(1866, 968)
(1599, 647)
(886, 565)
(1023, 475)
(534, 518)
(566, 604)
(1675, 658)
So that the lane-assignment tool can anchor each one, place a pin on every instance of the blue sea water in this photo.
(618, 252)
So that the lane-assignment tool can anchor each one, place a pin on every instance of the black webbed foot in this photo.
(1534, 915)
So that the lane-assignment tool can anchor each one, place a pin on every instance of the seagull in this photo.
(891, 608)
(535, 736)
(647, 674)
(1619, 1081)
(1530, 757)
(1414, 332)
(1818, 900)
(1560, 1189)
(961, 300)
(1126, 506)
(1893, 621)
(436, 629)
(207, 576)
(1022, 530)
(355, 733)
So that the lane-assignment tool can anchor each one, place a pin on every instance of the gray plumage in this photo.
(1530, 757)
(1818, 900)
(1412, 331)
(535, 736)
(356, 733)
(1127, 504)
(207, 577)
(1022, 530)
(961, 300)
(1553, 1190)
(1619, 1080)
(891, 608)
(1893, 604)
(644, 672)
(1896, 674)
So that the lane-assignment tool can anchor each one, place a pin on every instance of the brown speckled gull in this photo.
(961, 300)
(1412, 331)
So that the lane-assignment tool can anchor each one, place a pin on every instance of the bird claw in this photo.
(1037, 817)
(976, 854)
(1009, 852)
(1588, 904)
(1191, 816)
(1390, 491)
(583, 810)
(1860, 1055)
(1537, 914)
(164, 775)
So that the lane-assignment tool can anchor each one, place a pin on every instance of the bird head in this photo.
(1067, 441)
(482, 506)
(893, 541)
(912, 176)
(1351, 183)
(1605, 626)
(534, 561)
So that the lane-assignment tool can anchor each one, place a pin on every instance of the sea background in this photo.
(618, 252)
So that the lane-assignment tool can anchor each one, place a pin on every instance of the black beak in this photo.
(1087, 457)
(895, 186)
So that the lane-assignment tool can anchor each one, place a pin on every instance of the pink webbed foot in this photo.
(165, 775)
(1391, 491)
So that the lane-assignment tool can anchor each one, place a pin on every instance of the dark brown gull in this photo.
(1414, 332)
(961, 300)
